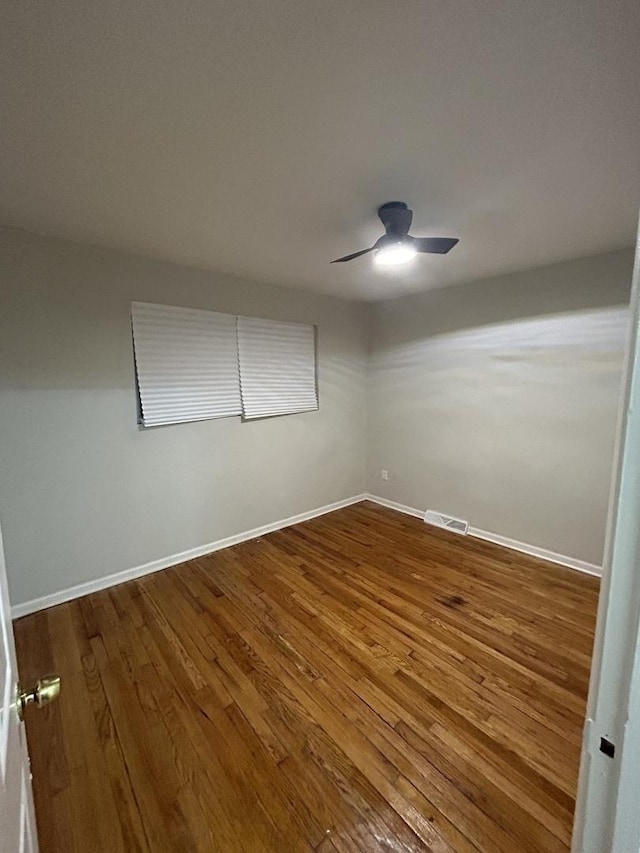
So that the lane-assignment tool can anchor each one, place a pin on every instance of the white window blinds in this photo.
(186, 364)
(277, 367)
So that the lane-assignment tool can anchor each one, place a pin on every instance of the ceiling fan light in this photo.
(395, 254)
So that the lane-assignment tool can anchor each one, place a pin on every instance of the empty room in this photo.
(319, 489)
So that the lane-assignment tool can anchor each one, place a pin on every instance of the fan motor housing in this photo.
(396, 217)
(392, 238)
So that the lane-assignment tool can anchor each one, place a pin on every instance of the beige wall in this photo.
(497, 401)
(84, 492)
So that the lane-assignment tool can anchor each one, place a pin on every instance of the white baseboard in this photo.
(513, 544)
(534, 551)
(174, 559)
(407, 510)
(81, 589)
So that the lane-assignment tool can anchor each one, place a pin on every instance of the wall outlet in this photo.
(385, 474)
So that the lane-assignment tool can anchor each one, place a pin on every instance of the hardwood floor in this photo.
(359, 682)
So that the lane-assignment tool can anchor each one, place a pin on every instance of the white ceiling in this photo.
(258, 137)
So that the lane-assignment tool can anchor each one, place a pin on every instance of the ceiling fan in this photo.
(397, 246)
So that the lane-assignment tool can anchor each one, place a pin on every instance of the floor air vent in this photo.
(455, 524)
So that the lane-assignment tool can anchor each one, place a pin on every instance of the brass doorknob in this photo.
(46, 689)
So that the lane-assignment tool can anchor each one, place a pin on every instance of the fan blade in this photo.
(435, 245)
(351, 257)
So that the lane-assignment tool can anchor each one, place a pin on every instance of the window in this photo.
(194, 365)
(186, 364)
(277, 367)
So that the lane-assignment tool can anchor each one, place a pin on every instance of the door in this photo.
(17, 825)
(607, 811)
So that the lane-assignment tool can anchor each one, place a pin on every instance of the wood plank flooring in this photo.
(359, 682)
